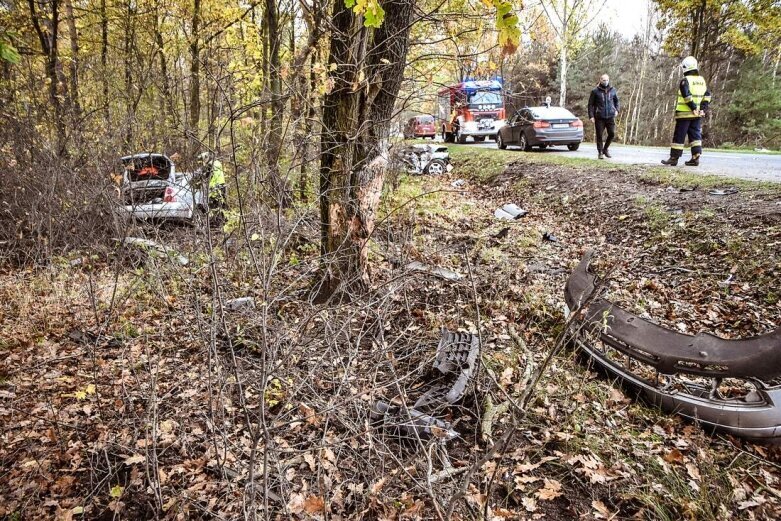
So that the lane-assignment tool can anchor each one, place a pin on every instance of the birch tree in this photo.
(569, 18)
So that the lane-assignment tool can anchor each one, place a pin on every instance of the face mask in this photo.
(604, 83)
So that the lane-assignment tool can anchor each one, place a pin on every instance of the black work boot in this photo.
(673, 161)
(606, 153)
(601, 155)
(694, 161)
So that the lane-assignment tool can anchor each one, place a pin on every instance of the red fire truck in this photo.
(471, 108)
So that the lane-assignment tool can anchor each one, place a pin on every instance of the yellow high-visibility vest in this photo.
(218, 175)
(697, 90)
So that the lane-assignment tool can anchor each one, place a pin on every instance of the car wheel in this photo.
(436, 167)
(447, 137)
(524, 143)
(573, 146)
(479, 139)
(500, 142)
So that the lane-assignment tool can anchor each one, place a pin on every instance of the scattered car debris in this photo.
(733, 386)
(453, 371)
(549, 237)
(510, 212)
(728, 280)
(458, 183)
(539, 267)
(154, 249)
(727, 191)
(501, 234)
(424, 159)
(437, 271)
(240, 304)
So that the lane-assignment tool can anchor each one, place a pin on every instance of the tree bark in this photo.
(195, 68)
(104, 61)
(49, 46)
(74, 63)
(280, 190)
(356, 120)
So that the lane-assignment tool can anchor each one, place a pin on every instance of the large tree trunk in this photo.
(356, 120)
(279, 187)
(195, 69)
(48, 38)
(74, 63)
(104, 61)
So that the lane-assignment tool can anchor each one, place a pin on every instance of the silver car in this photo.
(541, 127)
(152, 189)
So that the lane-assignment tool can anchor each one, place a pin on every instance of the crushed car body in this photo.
(424, 159)
(732, 386)
(151, 188)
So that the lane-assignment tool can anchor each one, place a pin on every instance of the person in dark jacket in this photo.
(603, 107)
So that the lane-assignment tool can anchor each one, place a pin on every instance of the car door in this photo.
(518, 127)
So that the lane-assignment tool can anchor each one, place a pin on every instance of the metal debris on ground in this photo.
(733, 386)
(453, 371)
(458, 183)
(728, 191)
(154, 249)
(239, 304)
(510, 212)
(549, 237)
(437, 271)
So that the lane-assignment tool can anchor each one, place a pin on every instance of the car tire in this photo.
(435, 167)
(479, 139)
(524, 143)
(447, 137)
(500, 142)
(573, 146)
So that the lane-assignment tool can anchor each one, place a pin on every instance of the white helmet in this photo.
(689, 64)
(205, 157)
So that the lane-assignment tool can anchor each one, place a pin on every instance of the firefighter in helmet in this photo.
(213, 170)
(692, 104)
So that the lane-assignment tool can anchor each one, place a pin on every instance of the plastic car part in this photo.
(453, 368)
(412, 423)
(510, 212)
(683, 373)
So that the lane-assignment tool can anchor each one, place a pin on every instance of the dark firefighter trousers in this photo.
(691, 127)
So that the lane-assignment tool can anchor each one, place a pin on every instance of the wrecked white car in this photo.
(151, 189)
(424, 159)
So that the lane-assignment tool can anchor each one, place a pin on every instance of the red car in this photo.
(420, 126)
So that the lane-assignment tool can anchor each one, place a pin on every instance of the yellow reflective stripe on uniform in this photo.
(687, 99)
(676, 146)
(696, 143)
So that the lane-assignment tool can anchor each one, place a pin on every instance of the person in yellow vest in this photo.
(693, 102)
(212, 168)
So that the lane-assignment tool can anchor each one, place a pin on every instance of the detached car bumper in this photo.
(157, 211)
(681, 374)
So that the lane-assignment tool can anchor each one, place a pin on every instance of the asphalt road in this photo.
(755, 166)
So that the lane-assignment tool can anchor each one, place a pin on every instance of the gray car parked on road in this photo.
(541, 127)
